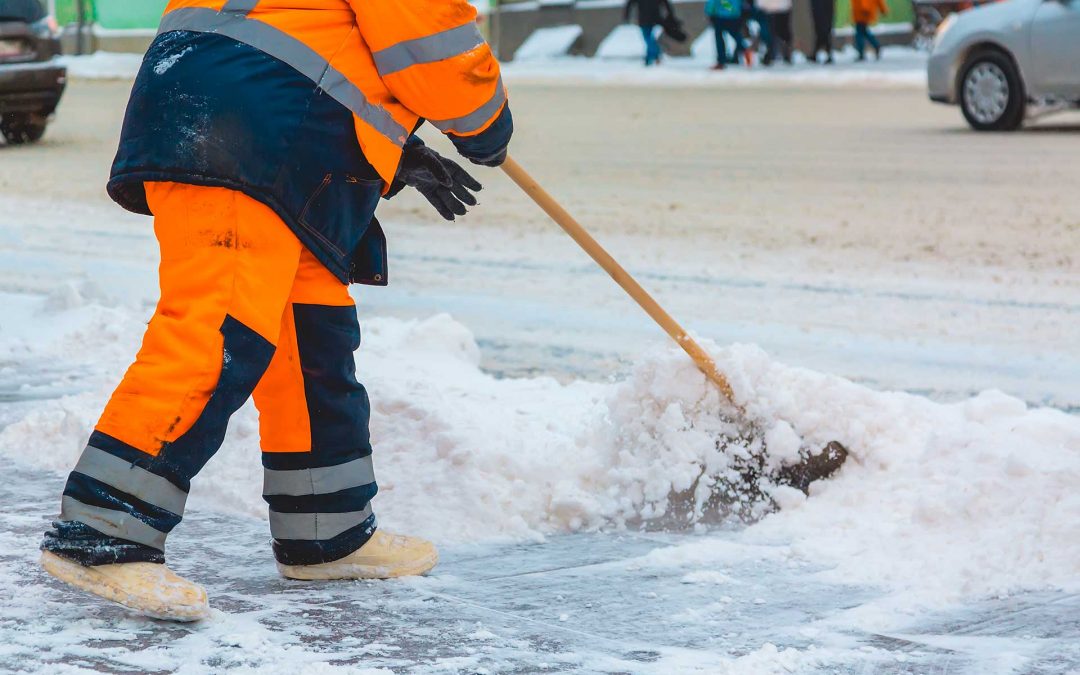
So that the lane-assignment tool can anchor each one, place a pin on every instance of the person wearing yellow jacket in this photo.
(261, 135)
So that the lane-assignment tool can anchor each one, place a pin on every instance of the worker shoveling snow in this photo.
(262, 230)
(937, 501)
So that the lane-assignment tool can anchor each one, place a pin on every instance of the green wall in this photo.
(115, 14)
(67, 11)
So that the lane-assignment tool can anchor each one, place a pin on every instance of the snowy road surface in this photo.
(856, 232)
(617, 603)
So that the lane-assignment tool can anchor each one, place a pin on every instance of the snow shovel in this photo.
(620, 275)
(816, 465)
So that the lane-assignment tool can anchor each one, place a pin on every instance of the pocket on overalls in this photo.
(340, 209)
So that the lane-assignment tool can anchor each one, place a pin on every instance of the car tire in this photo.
(21, 129)
(991, 92)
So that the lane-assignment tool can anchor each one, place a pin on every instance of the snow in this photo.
(103, 66)
(548, 43)
(937, 503)
(572, 505)
(163, 66)
(623, 42)
(618, 63)
(542, 59)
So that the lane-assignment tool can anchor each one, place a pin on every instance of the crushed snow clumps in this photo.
(936, 501)
(163, 66)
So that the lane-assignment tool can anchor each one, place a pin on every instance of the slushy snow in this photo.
(937, 501)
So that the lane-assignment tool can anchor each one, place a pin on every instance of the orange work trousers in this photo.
(245, 310)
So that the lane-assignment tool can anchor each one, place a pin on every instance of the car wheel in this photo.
(991, 93)
(20, 129)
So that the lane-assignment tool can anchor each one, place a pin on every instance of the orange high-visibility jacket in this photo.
(391, 62)
(306, 106)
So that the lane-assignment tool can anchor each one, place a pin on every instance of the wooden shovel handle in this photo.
(620, 275)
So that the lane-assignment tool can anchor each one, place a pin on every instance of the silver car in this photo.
(994, 60)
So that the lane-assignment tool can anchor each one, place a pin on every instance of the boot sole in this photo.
(90, 580)
(354, 571)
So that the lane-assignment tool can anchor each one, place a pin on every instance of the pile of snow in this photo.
(103, 66)
(546, 43)
(937, 500)
(624, 42)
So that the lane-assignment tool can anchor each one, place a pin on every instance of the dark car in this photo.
(31, 81)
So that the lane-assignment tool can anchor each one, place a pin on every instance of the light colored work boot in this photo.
(148, 588)
(384, 556)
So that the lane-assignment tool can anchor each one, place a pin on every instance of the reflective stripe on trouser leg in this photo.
(319, 514)
(323, 480)
(131, 496)
(320, 496)
(318, 488)
(316, 526)
(121, 499)
(203, 353)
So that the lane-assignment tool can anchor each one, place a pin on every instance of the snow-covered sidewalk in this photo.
(901, 67)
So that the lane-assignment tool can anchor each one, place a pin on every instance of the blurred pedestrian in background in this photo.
(726, 18)
(651, 14)
(779, 17)
(824, 13)
(864, 13)
(752, 11)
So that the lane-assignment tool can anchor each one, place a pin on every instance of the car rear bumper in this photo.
(31, 87)
(941, 78)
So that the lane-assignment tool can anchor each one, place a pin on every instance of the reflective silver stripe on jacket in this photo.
(475, 120)
(135, 481)
(321, 481)
(437, 47)
(240, 6)
(285, 48)
(119, 524)
(315, 526)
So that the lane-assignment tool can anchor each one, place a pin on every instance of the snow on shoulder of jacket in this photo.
(306, 108)
(390, 62)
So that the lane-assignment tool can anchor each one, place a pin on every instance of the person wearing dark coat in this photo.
(650, 15)
(824, 12)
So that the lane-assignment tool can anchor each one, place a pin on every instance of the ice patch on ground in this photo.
(937, 501)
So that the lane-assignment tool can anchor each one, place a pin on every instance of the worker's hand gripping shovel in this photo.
(620, 275)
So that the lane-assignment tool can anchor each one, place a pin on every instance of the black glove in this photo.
(442, 181)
